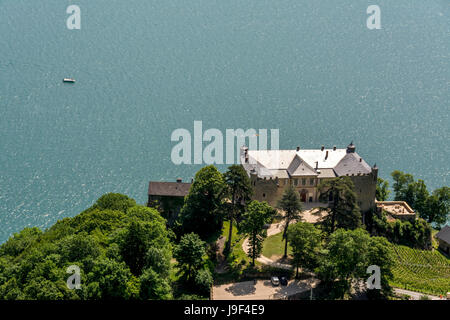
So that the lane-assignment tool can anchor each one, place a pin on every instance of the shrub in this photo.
(204, 281)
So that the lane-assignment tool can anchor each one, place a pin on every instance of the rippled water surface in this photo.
(145, 68)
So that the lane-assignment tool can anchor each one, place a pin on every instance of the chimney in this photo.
(298, 148)
(192, 180)
(334, 148)
(179, 180)
(323, 147)
(317, 165)
(360, 159)
(326, 155)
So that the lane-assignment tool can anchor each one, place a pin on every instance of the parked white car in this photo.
(275, 281)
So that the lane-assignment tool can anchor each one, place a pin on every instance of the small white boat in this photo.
(69, 80)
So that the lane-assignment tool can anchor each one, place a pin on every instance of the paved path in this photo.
(415, 295)
(309, 215)
(261, 290)
(273, 229)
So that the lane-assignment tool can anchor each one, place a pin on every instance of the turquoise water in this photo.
(145, 68)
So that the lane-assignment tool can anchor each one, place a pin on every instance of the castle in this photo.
(271, 171)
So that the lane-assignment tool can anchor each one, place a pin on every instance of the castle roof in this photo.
(324, 163)
(299, 167)
(352, 164)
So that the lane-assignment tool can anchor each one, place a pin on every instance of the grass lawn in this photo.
(273, 247)
(225, 230)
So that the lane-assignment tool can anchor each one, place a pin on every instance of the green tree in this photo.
(153, 286)
(203, 281)
(402, 181)
(417, 195)
(240, 190)
(202, 212)
(306, 242)
(380, 254)
(382, 192)
(115, 201)
(291, 205)
(136, 240)
(346, 259)
(19, 242)
(108, 280)
(78, 247)
(256, 216)
(434, 208)
(189, 254)
(158, 259)
(343, 211)
(437, 207)
(42, 289)
(105, 242)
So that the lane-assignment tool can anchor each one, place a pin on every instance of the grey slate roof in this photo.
(350, 164)
(324, 163)
(298, 167)
(175, 189)
(444, 234)
(326, 173)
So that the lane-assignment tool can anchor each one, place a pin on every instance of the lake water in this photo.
(144, 68)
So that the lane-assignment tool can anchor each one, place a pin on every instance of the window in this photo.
(295, 182)
(303, 182)
(311, 181)
(264, 195)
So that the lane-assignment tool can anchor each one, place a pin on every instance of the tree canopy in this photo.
(122, 249)
(306, 242)
(203, 209)
(257, 215)
(240, 190)
(349, 253)
(343, 210)
(292, 208)
(434, 207)
(189, 253)
(382, 191)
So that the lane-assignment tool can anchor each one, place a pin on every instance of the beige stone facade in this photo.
(271, 171)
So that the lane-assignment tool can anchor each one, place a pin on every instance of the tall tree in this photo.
(240, 190)
(346, 259)
(434, 208)
(380, 254)
(202, 212)
(438, 206)
(343, 211)
(382, 192)
(254, 218)
(401, 184)
(137, 238)
(419, 197)
(305, 240)
(189, 253)
(291, 205)
(349, 254)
